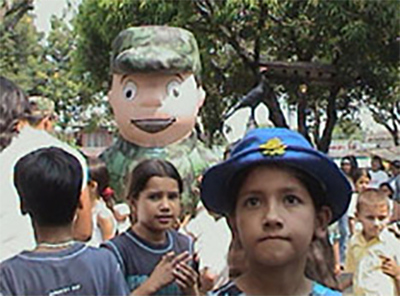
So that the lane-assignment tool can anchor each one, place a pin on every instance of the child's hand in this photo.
(390, 267)
(163, 273)
(186, 278)
(207, 280)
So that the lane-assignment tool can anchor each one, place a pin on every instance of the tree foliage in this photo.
(357, 37)
(21, 51)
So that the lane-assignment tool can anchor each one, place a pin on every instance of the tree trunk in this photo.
(325, 141)
(275, 112)
(302, 116)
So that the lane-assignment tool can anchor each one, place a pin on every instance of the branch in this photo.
(260, 26)
(301, 116)
(317, 123)
(206, 10)
(19, 9)
(271, 101)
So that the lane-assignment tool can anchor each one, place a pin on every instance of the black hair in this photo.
(49, 183)
(14, 106)
(313, 186)
(387, 184)
(353, 164)
(98, 172)
(151, 168)
(379, 160)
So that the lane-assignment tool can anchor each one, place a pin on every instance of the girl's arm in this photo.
(336, 256)
(351, 225)
(107, 227)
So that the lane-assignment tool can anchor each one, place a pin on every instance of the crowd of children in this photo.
(275, 194)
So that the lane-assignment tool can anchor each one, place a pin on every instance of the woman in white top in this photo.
(377, 172)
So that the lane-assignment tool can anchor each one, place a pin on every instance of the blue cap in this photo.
(275, 145)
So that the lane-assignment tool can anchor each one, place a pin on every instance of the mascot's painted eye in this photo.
(130, 90)
(173, 88)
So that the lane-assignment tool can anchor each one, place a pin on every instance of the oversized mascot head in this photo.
(156, 89)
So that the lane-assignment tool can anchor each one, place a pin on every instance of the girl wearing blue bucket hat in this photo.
(279, 194)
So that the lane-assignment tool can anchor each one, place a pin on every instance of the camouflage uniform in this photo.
(151, 49)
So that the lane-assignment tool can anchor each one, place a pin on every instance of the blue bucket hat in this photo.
(275, 145)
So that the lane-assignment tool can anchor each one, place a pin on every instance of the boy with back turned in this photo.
(49, 182)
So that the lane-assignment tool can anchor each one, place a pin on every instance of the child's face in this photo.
(158, 205)
(275, 218)
(374, 218)
(385, 190)
(362, 183)
(346, 167)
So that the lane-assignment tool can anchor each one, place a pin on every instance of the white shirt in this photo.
(100, 209)
(377, 178)
(16, 232)
(213, 238)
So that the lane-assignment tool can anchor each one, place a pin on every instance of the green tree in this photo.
(356, 38)
(21, 51)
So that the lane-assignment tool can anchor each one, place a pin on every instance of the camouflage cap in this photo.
(155, 49)
(41, 106)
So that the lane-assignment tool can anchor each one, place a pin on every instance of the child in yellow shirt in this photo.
(373, 255)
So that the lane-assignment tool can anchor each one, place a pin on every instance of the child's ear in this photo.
(93, 185)
(322, 219)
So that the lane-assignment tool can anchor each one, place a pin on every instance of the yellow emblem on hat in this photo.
(273, 147)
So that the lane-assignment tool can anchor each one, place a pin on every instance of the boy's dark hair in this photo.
(313, 186)
(49, 183)
(14, 106)
(151, 168)
(98, 172)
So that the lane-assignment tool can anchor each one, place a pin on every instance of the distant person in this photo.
(377, 172)
(49, 185)
(362, 180)
(104, 223)
(349, 166)
(395, 179)
(278, 203)
(153, 256)
(374, 253)
(42, 113)
(18, 138)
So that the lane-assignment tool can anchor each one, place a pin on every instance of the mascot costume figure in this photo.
(155, 96)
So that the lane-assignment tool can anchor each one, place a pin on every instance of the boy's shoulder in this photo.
(230, 289)
(79, 251)
(38, 271)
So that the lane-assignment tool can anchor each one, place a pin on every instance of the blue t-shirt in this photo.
(230, 289)
(138, 257)
(78, 270)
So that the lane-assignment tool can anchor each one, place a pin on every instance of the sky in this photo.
(44, 9)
